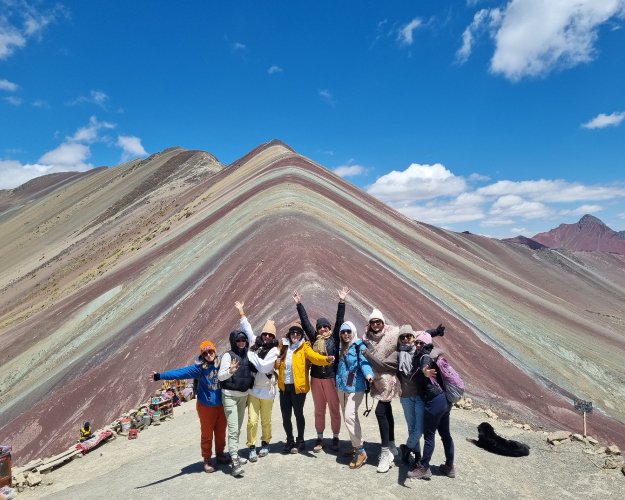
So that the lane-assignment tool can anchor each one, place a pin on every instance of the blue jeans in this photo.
(436, 418)
(414, 408)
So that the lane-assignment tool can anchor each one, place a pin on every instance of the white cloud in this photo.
(238, 46)
(90, 132)
(22, 20)
(9, 86)
(556, 191)
(327, 95)
(515, 206)
(40, 103)
(274, 69)
(417, 182)
(583, 210)
(13, 101)
(465, 208)
(349, 170)
(96, 97)
(535, 37)
(131, 147)
(602, 120)
(405, 35)
(67, 154)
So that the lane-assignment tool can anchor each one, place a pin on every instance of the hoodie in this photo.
(238, 383)
(209, 389)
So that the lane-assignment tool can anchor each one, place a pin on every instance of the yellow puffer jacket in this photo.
(302, 358)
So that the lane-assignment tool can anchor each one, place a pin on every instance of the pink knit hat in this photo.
(424, 337)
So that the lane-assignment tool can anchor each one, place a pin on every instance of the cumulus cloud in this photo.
(274, 69)
(23, 20)
(512, 205)
(554, 191)
(349, 170)
(602, 120)
(534, 37)
(131, 147)
(583, 210)
(9, 86)
(68, 154)
(90, 132)
(417, 182)
(405, 35)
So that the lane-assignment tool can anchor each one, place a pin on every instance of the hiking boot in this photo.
(252, 457)
(300, 446)
(237, 470)
(208, 466)
(386, 461)
(359, 459)
(420, 472)
(405, 452)
(288, 446)
(335, 444)
(318, 445)
(393, 449)
(349, 452)
(264, 450)
(448, 470)
(223, 458)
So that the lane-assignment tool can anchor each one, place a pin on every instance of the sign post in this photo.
(585, 407)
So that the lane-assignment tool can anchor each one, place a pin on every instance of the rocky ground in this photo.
(165, 462)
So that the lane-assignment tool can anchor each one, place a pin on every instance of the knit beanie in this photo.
(270, 327)
(296, 326)
(376, 314)
(323, 322)
(424, 337)
(406, 330)
(207, 345)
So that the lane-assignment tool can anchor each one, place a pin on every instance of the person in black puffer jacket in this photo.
(324, 341)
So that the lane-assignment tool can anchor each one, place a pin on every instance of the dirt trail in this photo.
(165, 462)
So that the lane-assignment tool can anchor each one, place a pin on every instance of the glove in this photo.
(439, 331)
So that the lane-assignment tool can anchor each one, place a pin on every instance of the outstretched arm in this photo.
(303, 317)
(244, 324)
(340, 314)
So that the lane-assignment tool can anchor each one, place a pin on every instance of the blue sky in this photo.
(493, 116)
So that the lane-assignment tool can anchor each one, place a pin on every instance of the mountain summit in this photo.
(589, 234)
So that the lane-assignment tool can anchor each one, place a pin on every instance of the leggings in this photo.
(386, 422)
(291, 402)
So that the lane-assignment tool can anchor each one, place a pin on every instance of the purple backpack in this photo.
(453, 385)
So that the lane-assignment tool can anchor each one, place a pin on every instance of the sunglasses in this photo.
(419, 342)
(295, 332)
(345, 331)
(210, 353)
(376, 322)
(265, 334)
(241, 340)
(324, 327)
(405, 337)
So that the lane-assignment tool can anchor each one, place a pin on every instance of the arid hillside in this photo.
(107, 275)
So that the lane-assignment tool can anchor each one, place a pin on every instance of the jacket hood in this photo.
(234, 335)
(348, 325)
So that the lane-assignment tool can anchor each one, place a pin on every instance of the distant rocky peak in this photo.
(590, 221)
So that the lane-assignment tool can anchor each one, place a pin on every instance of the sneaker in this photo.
(242, 460)
(359, 459)
(223, 458)
(208, 466)
(300, 446)
(405, 452)
(288, 447)
(264, 450)
(448, 470)
(393, 449)
(335, 444)
(420, 472)
(237, 470)
(318, 445)
(252, 457)
(386, 461)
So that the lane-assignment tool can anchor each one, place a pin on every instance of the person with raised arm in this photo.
(325, 340)
(262, 354)
(293, 366)
(209, 405)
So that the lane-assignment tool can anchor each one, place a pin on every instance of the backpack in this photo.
(453, 385)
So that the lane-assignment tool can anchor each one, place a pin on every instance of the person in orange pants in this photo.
(209, 406)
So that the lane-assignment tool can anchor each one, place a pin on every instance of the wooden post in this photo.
(584, 424)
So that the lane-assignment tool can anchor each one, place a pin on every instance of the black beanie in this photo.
(323, 322)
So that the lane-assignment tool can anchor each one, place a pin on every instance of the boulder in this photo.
(613, 463)
(578, 437)
(526, 427)
(592, 440)
(613, 450)
(33, 479)
(558, 437)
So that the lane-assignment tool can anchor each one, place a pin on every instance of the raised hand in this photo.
(343, 293)
(234, 364)
(151, 376)
(239, 307)
(297, 298)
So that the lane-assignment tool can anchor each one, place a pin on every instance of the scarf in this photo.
(406, 355)
(320, 344)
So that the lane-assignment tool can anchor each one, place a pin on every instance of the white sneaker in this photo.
(386, 461)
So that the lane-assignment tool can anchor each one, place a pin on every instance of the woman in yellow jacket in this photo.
(294, 383)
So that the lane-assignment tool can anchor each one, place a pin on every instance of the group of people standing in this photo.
(339, 368)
